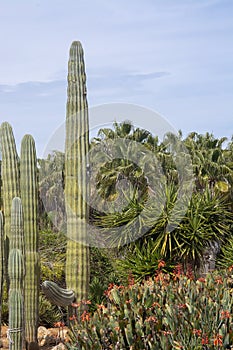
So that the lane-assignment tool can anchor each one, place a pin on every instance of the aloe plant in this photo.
(76, 186)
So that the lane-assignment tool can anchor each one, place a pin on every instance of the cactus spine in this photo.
(29, 197)
(16, 275)
(10, 180)
(76, 187)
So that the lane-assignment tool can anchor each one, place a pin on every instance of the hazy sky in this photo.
(172, 56)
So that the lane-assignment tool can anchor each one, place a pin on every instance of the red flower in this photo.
(110, 287)
(101, 307)
(73, 318)
(161, 264)
(218, 340)
(151, 319)
(131, 280)
(75, 305)
(85, 316)
(205, 340)
(197, 332)
(225, 314)
(202, 279)
(59, 324)
(129, 301)
(219, 280)
(166, 332)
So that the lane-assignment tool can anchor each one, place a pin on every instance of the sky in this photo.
(170, 56)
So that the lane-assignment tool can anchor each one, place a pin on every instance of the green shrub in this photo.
(48, 313)
(225, 258)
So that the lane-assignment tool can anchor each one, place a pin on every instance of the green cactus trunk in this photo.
(29, 197)
(10, 181)
(1, 266)
(16, 270)
(76, 186)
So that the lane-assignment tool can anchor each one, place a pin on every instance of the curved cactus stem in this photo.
(76, 185)
(57, 295)
(29, 197)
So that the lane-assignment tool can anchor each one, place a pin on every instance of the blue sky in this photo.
(172, 56)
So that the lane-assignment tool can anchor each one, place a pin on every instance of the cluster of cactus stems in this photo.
(76, 185)
(20, 236)
(19, 260)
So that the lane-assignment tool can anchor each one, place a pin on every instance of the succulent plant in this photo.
(16, 272)
(57, 295)
(10, 181)
(162, 313)
(29, 197)
(76, 185)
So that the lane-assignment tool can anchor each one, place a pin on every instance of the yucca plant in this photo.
(142, 261)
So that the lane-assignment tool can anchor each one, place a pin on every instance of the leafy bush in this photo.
(225, 258)
(48, 313)
(52, 256)
(164, 313)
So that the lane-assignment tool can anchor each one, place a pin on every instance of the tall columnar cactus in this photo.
(76, 186)
(10, 179)
(29, 197)
(1, 266)
(16, 270)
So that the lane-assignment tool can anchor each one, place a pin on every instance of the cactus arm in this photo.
(57, 295)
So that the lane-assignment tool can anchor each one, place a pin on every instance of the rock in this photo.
(63, 335)
(45, 337)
